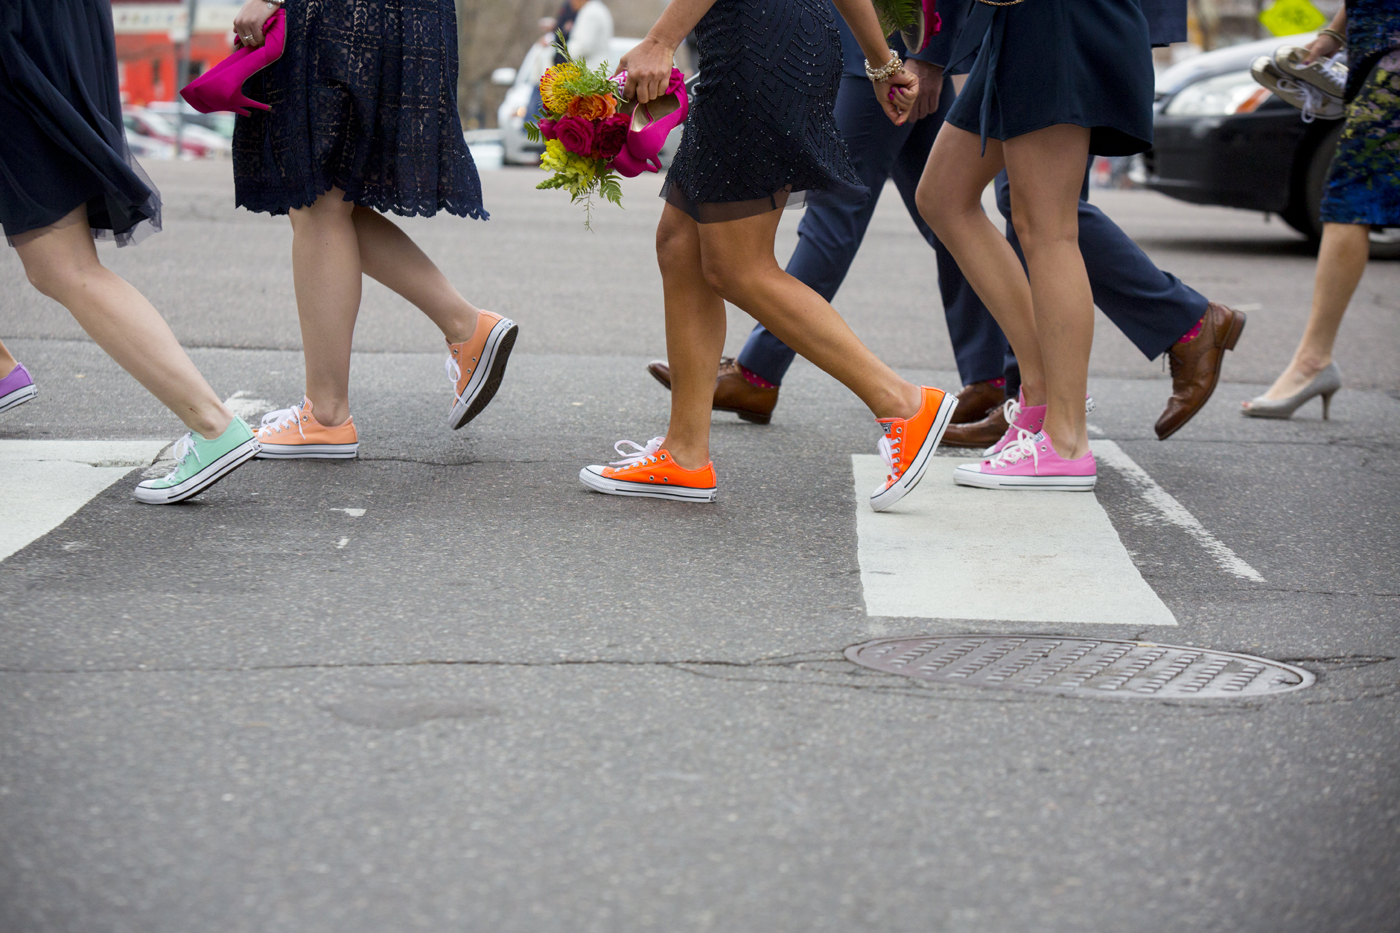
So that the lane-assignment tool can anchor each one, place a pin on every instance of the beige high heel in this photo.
(1326, 383)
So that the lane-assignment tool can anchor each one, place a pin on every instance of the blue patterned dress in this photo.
(1363, 184)
(364, 98)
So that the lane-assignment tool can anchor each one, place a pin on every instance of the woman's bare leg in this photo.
(1341, 260)
(61, 262)
(695, 326)
(950, 200)
(390, 257)
(7, 361)
(734, 261)
(326, 273)
(1046, 171)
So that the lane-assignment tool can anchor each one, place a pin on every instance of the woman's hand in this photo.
(248, 24)
(648, 68)
(1322, 47)
(897, 95)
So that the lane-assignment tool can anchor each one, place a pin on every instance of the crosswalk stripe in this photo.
(954, 552)
(42, 483)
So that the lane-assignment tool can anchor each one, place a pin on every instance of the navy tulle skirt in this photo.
(62, 144)
(1046, 62)
(364, 99)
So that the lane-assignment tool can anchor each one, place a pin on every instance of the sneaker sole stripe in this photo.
(202, 480)
(309, 451)
(906, 483)
(497, 351)
(614, 487)
(1050, 483)
(18, 397)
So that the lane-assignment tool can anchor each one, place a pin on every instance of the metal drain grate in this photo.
(1081, 666)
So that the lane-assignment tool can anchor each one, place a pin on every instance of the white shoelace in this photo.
(279, 419)
(1016, 451)
(1313, 99)
(889, 452)
(639, 455)
(182, 449)
(454, 372)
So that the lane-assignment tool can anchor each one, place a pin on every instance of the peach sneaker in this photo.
(475, 368)
(294, 433)
(650, 471)
(909, 443)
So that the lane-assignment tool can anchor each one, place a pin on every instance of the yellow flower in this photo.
(561, 161)
(556, 97)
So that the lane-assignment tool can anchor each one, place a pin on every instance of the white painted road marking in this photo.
(44, 482)
(353, 513)
(1172, 511)
(954, 552)
(247, 408)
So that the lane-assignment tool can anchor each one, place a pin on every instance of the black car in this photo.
(1223, 139)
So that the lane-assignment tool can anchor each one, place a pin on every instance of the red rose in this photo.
(547, 129)
(575, 134)
(612, 135)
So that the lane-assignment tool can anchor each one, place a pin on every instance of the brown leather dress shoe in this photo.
(976, 402)
(978, 434)
(733, 392)
(1196, 367)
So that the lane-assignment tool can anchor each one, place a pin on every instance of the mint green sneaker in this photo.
(202, 463)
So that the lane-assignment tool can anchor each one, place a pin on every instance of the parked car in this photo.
(514, 110)
(1221, 138)
(196, 142)
(220, 121)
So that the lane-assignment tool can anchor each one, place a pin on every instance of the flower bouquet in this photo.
(914, 20)
(583, 130)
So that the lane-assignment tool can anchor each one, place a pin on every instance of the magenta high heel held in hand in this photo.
(651, 124)
(221, 87)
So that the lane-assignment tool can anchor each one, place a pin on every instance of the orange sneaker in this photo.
(475, 368)
(909, 443)
(292, 433)
(650, 471)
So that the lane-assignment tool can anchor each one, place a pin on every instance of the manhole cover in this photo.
(1081, 666)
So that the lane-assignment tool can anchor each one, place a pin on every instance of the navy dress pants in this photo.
(1152, 308)
(833, 227)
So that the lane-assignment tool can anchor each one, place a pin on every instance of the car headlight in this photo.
(1222, 95)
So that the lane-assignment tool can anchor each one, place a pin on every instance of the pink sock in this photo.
(754, 379)
(1190, 335)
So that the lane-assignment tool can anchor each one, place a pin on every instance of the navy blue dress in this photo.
(1046, 62)
(762, 125)
(364, 98)
(62, 144)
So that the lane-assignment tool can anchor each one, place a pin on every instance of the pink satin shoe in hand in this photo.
(221, 87)
(653, 121)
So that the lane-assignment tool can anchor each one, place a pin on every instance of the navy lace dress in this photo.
(762, 123)
(62, 144)
(364, 98)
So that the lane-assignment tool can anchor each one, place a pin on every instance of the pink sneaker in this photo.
(1030, 463)
(1019, 417)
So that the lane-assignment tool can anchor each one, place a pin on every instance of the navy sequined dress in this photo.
(762, 126)
(364, 98)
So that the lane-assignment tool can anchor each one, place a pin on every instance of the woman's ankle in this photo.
(463, 326)
(688, 456)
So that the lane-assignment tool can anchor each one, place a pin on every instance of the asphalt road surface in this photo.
(444, 687)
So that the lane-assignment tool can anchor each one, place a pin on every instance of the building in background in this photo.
(148, 36)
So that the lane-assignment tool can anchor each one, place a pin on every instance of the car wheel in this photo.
(1304, 214)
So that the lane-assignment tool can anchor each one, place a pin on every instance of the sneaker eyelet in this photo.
(663, 456)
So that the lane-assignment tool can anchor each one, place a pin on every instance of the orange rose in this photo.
(594, 107)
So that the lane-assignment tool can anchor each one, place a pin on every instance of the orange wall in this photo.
(147, 63)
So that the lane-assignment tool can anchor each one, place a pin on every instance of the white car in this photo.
(522, 82)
